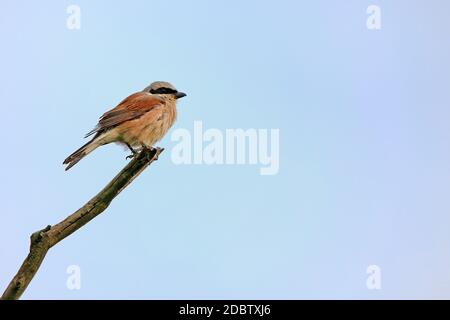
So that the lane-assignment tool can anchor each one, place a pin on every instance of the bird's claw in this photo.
(153, 153)
(152, 150)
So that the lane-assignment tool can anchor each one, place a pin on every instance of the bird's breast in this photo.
(155, 127)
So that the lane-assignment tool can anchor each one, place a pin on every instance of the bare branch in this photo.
(43, 240)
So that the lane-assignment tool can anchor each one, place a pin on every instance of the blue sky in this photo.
(364, 148)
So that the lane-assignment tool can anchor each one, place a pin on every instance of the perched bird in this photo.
(139, 121)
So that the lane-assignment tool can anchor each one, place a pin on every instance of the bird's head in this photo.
(164, 88)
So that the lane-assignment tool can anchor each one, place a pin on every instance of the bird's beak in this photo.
(179, 95)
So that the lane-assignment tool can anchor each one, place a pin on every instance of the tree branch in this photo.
(43, 240)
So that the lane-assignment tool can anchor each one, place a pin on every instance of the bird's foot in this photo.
(152, 153)
(157, 151)
(132, 155)
(133, 152)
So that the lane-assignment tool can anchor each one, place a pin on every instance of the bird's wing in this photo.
(130, 108)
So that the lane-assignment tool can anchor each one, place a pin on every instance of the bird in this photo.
(138, 121)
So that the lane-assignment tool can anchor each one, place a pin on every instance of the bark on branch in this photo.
(43, 240)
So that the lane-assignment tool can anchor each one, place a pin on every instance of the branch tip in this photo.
(37, 236)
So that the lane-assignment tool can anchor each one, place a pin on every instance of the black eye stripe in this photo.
(163, 91)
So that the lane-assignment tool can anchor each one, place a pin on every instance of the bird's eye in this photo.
(162, 91)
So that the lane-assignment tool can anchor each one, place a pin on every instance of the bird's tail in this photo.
(80, 153)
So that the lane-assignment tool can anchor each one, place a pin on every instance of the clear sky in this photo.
(364, 168)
